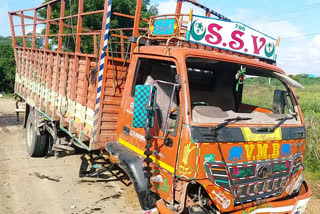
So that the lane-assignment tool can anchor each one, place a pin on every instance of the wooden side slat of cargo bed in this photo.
(112, 97)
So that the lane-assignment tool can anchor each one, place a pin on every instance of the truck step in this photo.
(20, 110)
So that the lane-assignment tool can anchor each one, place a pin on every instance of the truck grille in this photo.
(259, 180)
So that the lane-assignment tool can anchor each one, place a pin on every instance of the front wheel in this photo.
(37, 141)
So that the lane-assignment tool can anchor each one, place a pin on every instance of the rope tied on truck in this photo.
(113, 68)
(122, 68)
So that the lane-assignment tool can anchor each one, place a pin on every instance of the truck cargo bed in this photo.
(79, 90)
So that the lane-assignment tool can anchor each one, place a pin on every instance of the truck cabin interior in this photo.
(217, 94)
(150, 70)
(222, 90)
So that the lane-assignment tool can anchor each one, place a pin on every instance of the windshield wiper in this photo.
(228, 121)
(282, 121)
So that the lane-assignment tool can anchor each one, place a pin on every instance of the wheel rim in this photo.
(30, 134)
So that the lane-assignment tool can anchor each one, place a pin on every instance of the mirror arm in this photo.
(168, 113)
(177, 77)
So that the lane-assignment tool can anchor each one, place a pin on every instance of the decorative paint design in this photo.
(287, 164)
(285, 150)
(244, 172)
(221, 199)
(249, 136)
(236, 171)
(164, 27)
(270, 49)
(198, 30)
(291, 185)
(252, 209)
(301, 206)
(184, 166)
(209, 158)
(263, 151)
(159, 183)
(281, 167)
(137, 135)
(236, 154)
(142, 117)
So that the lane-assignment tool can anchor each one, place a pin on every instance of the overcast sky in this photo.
(295, 21)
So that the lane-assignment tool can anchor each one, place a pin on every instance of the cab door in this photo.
(144, 71)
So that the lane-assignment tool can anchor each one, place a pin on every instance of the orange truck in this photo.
(178, 105)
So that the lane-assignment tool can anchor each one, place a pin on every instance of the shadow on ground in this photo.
(10, 120)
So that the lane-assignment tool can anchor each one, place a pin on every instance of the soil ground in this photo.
(38, 185)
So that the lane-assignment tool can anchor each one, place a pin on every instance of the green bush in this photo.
(7, 65)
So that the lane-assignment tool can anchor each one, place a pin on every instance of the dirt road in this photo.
(51, 185)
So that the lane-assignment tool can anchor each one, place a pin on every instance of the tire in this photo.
(37, 143)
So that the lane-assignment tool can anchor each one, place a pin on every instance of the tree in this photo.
(129, 7)
(94, 21)
(7, 65)
(38, 41)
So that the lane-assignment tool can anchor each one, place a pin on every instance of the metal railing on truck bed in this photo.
(70, 71)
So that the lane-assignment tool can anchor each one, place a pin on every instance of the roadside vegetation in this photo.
(93, 22)
(309, 100)
(7, 66)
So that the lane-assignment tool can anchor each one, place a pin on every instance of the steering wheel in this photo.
(199, 104)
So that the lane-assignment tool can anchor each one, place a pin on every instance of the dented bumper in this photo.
(294, 205)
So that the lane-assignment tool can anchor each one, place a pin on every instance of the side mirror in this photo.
(143, 110)
(279, 101)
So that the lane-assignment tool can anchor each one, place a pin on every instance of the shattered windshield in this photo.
(222, 90)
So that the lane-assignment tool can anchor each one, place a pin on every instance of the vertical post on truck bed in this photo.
(34, 29)
(79, 26)
(61, 23)
(208, 13)
(137, 18)
(103, 55)
(179, 6)
(23, 30)
(136, 22)
(47, 26)
(12, 32)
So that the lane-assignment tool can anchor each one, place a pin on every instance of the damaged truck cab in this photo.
(211, 151)
(209, 146)
(192, 108)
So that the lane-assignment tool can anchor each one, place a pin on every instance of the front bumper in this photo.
(296, 205)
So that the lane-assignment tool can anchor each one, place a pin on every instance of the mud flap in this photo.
(132, 164)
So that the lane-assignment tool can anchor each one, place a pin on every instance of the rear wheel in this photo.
(37, 141)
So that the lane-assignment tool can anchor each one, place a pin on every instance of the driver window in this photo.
(149, 70)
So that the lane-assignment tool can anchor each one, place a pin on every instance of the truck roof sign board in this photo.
(232, 36)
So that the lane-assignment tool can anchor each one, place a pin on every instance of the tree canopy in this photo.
(7, 65)
(94, 21)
